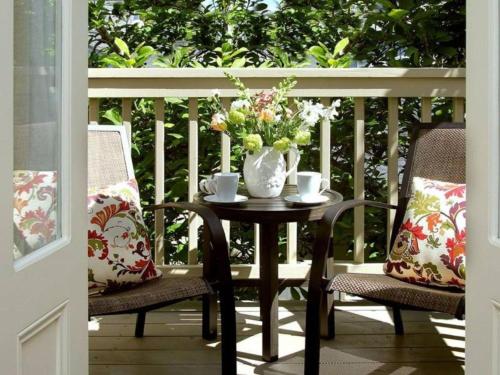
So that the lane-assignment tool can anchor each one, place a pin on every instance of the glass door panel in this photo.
(37, 125)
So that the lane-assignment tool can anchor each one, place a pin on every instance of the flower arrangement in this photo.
(266, 119)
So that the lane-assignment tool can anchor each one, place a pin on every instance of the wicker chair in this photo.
(436, 152)
(109, 163)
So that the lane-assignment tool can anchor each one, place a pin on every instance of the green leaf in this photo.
(261, 7)
(295, 294)
(317, 51)
(122, 46)
(239, 63)
(175, 135)
(340, 47)
(398, 14)
(113, 115)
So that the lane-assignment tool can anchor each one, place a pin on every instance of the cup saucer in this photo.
(313, 200)
(238, 199)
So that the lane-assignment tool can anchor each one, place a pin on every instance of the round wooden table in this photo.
(270, 213)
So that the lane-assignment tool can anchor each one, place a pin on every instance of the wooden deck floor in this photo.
(365, 343)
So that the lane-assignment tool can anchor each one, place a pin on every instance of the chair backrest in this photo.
(437, 151)
(109, 160)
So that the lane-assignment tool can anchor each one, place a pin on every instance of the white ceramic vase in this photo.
(265, 172)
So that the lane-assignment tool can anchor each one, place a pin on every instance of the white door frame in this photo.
(483, 169)
(47, 290)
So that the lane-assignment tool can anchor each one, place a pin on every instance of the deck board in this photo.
(365, 344)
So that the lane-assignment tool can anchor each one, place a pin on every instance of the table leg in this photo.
(268, 291)
(209, 320)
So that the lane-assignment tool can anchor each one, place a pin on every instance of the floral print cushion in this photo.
(430, 246)
(119, 251)
(35, 210)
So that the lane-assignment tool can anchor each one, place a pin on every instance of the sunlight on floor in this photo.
(365, 343)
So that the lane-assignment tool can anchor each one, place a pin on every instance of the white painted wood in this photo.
(194, 221)
(426, 115)
(325, 146)
(483, 152)
(381, 82)
(226, 161)
(458, 109)
(291, 228)
(256, 239)
(127, 118)
(392, 163)
(298, 271)
(44, 310)
(359, 179)
(291, 244)
(159, 180)
(93, 111)
(358, 82)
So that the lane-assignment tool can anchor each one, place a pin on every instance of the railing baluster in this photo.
(160, 256)
(226, 160)
(359, 176)
(458, 110)
(392, 163)
(93, 111)
(291, 228)
(325, 146)
(127, 118)
(193, 179)
(426, 115)
(256, 236)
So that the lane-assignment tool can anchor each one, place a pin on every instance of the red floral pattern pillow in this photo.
(119, 251)
(35, 210)
(430, 246)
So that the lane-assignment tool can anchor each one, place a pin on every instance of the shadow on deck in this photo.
(365, 344)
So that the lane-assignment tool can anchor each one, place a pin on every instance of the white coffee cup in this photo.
(309, 185)
(226, 186)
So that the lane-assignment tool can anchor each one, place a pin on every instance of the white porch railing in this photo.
(325, 84)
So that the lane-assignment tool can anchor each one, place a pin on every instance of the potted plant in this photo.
(268, 128)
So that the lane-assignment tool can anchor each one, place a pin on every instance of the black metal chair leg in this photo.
(313, 326)
(327, 316)
(209, 317)
(228, 330)
(139, 324)
(398, 321)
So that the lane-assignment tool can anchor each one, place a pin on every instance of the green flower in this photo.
(282, 145)
(302, 138)
(253, 142)
(236, 117)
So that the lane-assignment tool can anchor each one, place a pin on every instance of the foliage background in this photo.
(246, 33)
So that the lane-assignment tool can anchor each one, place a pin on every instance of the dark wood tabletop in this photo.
(271, 210)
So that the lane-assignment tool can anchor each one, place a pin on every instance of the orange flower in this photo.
(266, 115)
(433, 220)
(19, 204)
(218, 122)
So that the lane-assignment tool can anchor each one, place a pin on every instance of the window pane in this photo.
(37, 92)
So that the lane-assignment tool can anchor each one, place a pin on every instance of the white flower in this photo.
(215, 92)
(331, 112)
(311, 113)
(240, 104)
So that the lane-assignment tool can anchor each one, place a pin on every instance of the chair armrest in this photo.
(214, 226)
(331, 215)
(323, 235)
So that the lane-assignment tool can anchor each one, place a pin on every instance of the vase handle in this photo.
(296, 161)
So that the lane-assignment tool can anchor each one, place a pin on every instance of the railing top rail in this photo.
(421, 73)
(357, 82)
